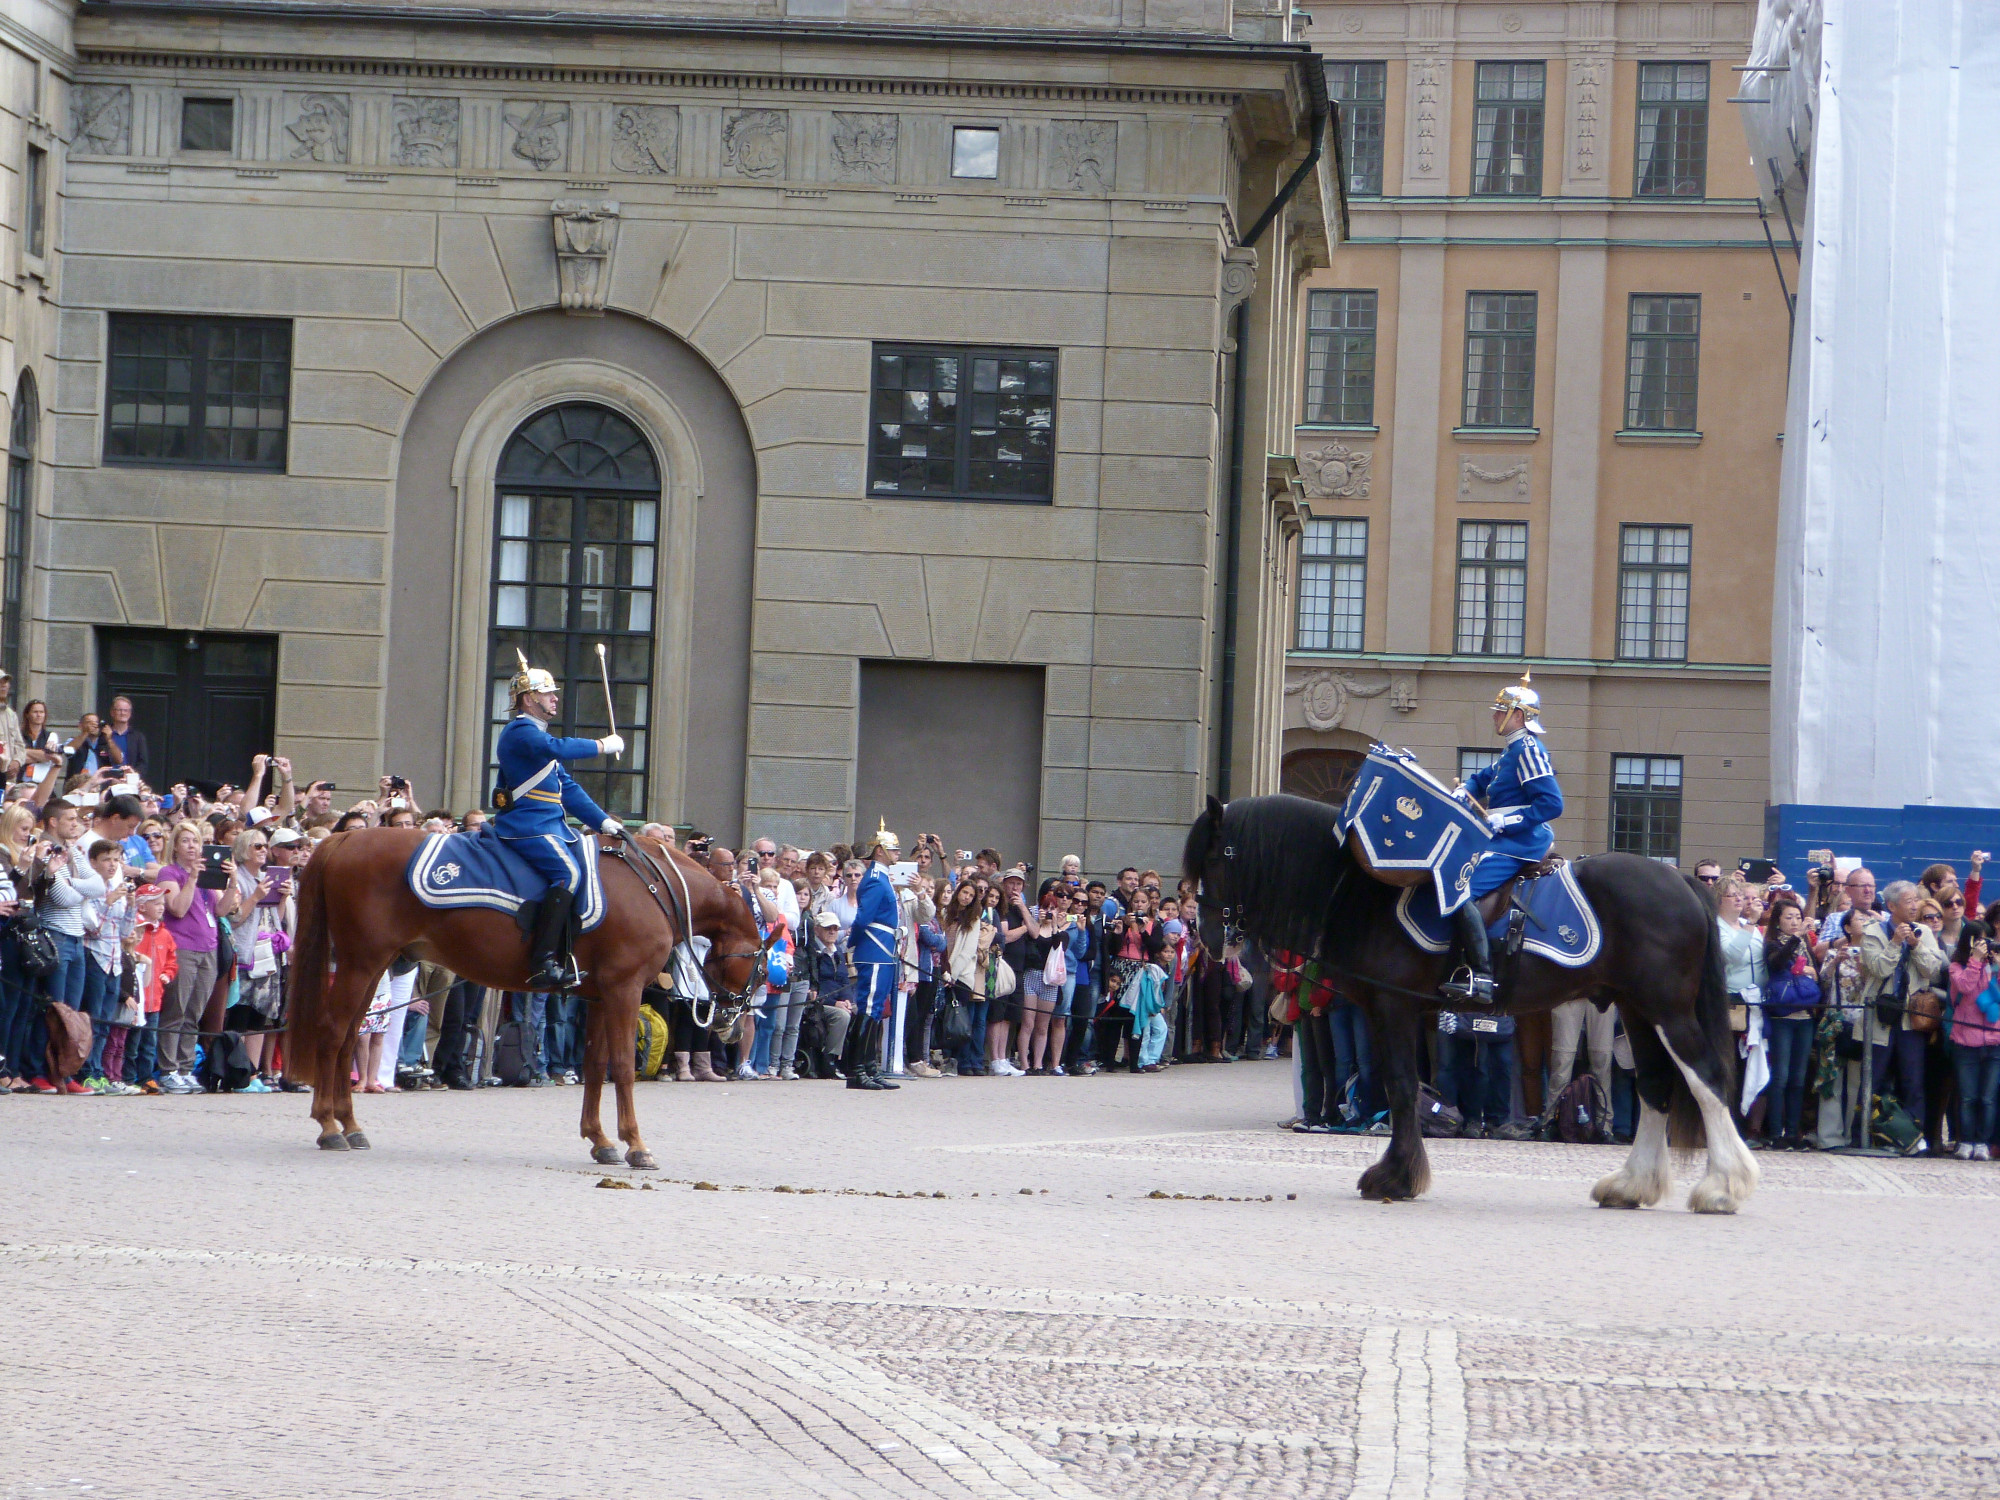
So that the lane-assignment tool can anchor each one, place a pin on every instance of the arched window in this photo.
(20, 517)
(575, 555)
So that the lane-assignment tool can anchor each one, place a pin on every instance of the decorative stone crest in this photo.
(862, 148)
(426, 132)
(1478, 483)
(646, 138)
(318, 127)
(1083, 155)
(753, 142)
(100, 118)
(586, 233)
(1335, 472)
(1323, 697)
(1427, 116)
(1403, 694)
(541, 133)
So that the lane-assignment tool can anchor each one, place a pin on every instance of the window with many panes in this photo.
(35, 186)
(1470, 760)
(575, 561)
(1500, 359)
(1663, 359)
(202, 392)
(962, 424)
(1646, 806)
(1507, 129)
(1359, 87)
(1492, 588)
(1340, 358)
(1333, 585)
(1653, 592)
(20, 513)
(1673, 131)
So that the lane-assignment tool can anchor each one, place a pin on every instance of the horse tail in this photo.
(1711, 1012)
(311, 1040)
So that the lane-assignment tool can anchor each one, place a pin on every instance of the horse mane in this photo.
(1292, 883)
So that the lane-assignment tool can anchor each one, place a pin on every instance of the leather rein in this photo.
(660, 887)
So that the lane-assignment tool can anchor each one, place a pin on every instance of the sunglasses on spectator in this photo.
(1708, 879)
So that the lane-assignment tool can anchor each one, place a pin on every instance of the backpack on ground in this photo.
(652, 1047)
(1581, 1115)
(1895, 1129)
(1437, 1118)
(510, 1063)
(225, 1063)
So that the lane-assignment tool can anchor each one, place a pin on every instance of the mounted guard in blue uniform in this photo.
(876, 960)
(532, 795)
(1522, 798)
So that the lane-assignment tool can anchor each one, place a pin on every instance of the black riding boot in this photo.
(549, 958)
(857, 1058)
(1473, 983)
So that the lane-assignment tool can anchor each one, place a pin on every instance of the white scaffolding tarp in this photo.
(1884, 688)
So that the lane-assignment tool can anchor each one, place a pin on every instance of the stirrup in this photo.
(1475, 989)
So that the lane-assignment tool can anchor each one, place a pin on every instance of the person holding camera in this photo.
(90, 747)
(193, 910)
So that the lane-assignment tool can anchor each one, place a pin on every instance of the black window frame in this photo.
(1336, 352)
(1506, 344)
(1640, 580)
(1329, 563)
(1686, 124)
(1518, 118)
(1645, 814)
(198, 356)
(1484, 569)
(1477, 758)
(189, 104)
(1362, 90)
(1662, 362)
(35, 191)
(24, 430)
(964, 433)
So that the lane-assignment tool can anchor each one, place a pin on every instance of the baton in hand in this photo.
(604, 675)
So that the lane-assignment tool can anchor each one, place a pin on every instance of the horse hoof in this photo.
(356, 1141)
(641, 1161)
(334, 1142)
(604, 1156)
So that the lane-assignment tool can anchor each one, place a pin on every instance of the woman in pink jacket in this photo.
(1975, 1040)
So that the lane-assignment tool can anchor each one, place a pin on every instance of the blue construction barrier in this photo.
(1897, 843)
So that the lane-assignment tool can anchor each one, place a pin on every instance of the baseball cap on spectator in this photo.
(148, 889)
(1016, 872)
(259, 815)
(282, 837)
(826, 919)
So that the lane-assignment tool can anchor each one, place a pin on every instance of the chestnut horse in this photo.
(356, 910)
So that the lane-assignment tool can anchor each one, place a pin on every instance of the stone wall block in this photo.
(283, 604)
(79, 332)
(1150, 796)
(187, 561)
(332, 711)
(1047, 635)
(954, 595)
(348, 398)
(1183, 377)
(1158, 430)
(195, 232)
(732, 323)
(1145, 693)
(804, 733)
(952, 315)
(796, 416)
(224, 286)
(1150, 641)
(1150, 846)
(702, 267)
(823, 784)
(1065, 793)
(815, 470)
(77, 387)
(387, 349)
(130, 553)
(1139, 322)
(1065, 741)
(772, 364)
(72, 439)
(849, 629)
(778, 677)
(1139, 745)
(804, 830)
(1150, 265)
(349, 762)
(432, 312)
(1138, 537)
(222, 499)
(89, 597)
(936, 258)
(326, 452)
(467, 260)
(527, 249)
(1186, 484)
(1151, 589)
(330, 660)
(1066, 690)
(894, 585)
(1079, 427)
(642, 261)
(67, 650)
(251, 560)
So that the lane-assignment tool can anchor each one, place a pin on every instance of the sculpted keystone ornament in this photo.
(586, 233)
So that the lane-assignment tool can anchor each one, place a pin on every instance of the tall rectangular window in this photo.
(1340, 358)
(208, 124)
(954, 423)
(200, 392)
(1492, 588)
(1333, 585)
(1672, 160)
(1360, 88)
(1663, 360)
(1470, 760)
(1646, 806)
(1507, 129)
(1500, 359)
(35, 185)
(1653, 592)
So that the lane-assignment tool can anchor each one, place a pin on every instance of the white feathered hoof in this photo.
(1617, 1191)
(1711, 1196)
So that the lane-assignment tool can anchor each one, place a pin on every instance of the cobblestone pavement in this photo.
(966, 1289)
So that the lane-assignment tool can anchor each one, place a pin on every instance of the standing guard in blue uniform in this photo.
(533, 793)
(875, 964)
(1522, 799)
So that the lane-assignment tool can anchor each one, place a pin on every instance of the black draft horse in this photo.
(1274, 869)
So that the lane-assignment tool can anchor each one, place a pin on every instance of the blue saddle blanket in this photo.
(1561, 927)
(478, 869)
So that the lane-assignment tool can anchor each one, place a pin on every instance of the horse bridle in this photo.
(731, 1002)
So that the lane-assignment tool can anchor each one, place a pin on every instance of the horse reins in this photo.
(663, 894)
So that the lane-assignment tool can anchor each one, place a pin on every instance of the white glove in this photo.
(611, 744)
(1497, 821)
(611, 828)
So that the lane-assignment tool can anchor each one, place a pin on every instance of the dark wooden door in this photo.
(207, 702)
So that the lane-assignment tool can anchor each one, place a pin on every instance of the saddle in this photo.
(1507, 898)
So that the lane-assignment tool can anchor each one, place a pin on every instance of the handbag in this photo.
(1923, 1012)
(36, 946)
(1004, 978)
(1055, 973)
(954, 1025)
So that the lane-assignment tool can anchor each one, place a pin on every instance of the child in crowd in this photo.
(106, 919)
(155, 961)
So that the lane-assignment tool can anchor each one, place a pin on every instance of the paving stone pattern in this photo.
(204, 1305)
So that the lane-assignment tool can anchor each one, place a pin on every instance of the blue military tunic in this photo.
(874, 942)
(531, 771)
(1522, 799)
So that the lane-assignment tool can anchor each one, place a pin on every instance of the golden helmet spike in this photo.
(884, 839)
(1522, 696)
(529, 679)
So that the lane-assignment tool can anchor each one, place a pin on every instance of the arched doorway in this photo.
(1323, 775)
(20, 528)
(576, 525)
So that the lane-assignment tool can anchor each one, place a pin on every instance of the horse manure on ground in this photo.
(706, 1187)
(615, 1182)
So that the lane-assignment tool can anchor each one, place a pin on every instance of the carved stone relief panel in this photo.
(646, 138)
(538, 133)
(1334, 471)
(1083, 155)
(1587, 105)
(426, 132)
(1505, 483)
(100, 118)
(1428, 88)
(862, 148)
(753, 143)
(318, 127)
